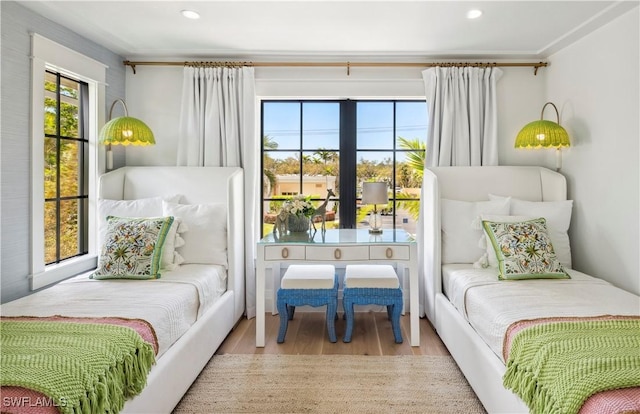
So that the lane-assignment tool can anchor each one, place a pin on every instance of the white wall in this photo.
(154, 94)
(595, 84)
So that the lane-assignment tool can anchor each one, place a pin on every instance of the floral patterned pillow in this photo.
(524, 250)
(132, 248)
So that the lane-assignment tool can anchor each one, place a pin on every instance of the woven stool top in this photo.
(371, 276)
(309, 277)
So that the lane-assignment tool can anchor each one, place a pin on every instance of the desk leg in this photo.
(260, 276)
(414, 303)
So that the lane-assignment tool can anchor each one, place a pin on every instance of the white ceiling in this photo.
(386, 30)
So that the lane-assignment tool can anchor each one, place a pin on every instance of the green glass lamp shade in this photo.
(542, 134)
(126, 130)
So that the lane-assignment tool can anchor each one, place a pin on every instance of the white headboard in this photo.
(475, 184)
(196, 185)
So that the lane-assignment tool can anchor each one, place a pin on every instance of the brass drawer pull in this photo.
(285, 252)
(389, 253)
(337, 254)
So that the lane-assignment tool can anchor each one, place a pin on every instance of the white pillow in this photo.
(170, 257)
(205, 241)
(460, 234)
(143, 207)
(558, 216)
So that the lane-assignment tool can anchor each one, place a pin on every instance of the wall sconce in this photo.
(375, 193)
(124, 130)
(544, 134)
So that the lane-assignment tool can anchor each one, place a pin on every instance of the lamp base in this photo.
(375, 222)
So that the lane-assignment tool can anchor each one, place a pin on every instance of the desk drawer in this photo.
(284, 253)
(338, 253)
(389, 252)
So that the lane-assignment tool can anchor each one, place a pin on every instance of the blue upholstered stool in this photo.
(372, 285)
(311, 285)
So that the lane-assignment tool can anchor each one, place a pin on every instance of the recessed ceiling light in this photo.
(474, 14)
(190, 14)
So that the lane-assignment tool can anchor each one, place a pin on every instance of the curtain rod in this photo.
(348, 65)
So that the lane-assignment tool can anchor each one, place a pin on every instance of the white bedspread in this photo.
(491, 305)
(171, 304)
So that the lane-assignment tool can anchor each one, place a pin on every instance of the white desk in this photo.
(341, 247)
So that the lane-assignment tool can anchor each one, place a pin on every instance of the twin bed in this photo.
(477, 315)
(193, 305)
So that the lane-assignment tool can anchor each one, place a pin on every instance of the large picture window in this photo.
(310, 147)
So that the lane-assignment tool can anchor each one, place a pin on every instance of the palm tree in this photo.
(415, 161)
(269, 178)
(326, 157)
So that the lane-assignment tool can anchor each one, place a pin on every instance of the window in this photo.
(65, 168)
(68, 97)
(310, 147)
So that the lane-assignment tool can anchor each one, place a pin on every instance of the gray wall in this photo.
(17, 23)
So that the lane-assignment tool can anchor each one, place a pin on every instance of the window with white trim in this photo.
(68, 97)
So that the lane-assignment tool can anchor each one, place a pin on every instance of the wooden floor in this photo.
(307, 335)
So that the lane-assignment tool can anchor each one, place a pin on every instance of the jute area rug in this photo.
(330, 384)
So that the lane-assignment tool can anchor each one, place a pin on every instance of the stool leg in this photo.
(290, 311)
(348, 311)
(396, 310)
(332, 308)
(284, 317)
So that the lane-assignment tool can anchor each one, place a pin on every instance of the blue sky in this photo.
(321, 124)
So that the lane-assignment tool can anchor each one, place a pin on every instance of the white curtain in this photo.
(217, 128)
(463, 131)
(462, 108)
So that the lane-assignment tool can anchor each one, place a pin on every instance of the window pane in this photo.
(409, 167)
(283, 172)
(69, 237)
(321, 125)
(374, 166)
(320, 170)
(375, 125)
(50, 104)
(281, 125)
(69, 105)
(50, 168)
(69, 167)
(411, 120)
(50, 232)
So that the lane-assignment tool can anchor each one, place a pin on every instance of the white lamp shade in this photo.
(375, 193)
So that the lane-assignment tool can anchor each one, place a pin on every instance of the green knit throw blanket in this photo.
(555, 367)
(83, 367)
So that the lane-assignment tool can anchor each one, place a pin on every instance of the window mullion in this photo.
(348, 164)
(58, 145)
(301, 149)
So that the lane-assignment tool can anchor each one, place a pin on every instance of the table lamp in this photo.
(375, 193)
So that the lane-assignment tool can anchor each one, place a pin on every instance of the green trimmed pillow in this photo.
(524, 250)
(132, 248)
